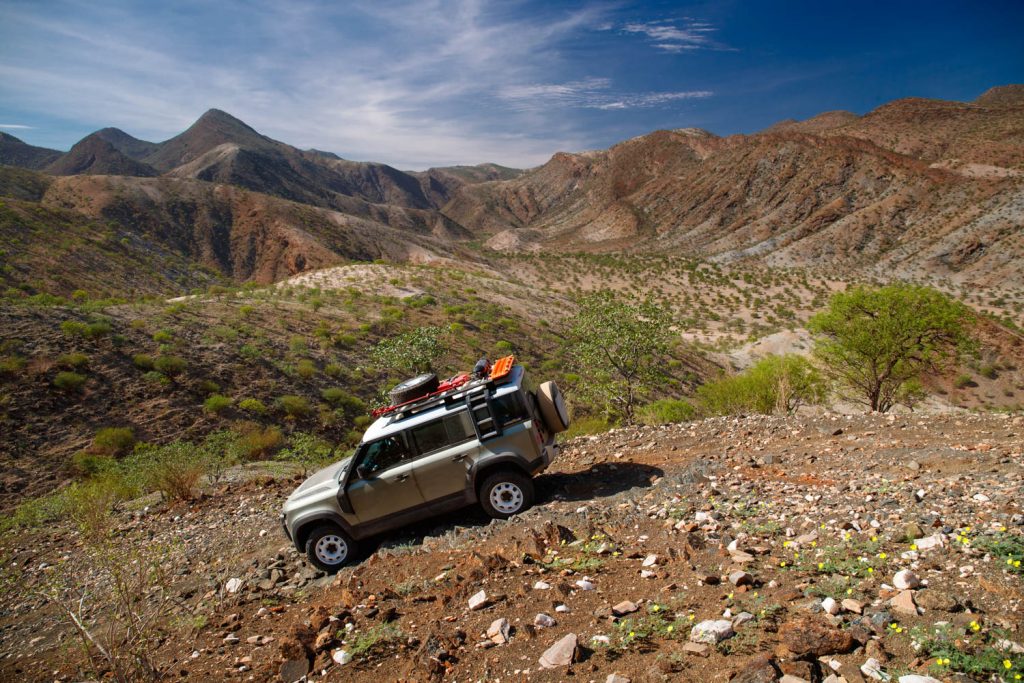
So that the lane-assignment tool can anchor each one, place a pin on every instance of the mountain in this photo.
(126, 144)
(914, 188)
(14, 152)
(211, 130)
(93, 155)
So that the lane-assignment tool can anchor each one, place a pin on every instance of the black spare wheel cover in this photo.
(421, 385)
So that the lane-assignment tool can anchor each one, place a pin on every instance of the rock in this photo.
(914, 678)
(616, 678)
(697, 649)
(233, 585)
(830, 605)
(741, 618)
(812, 636)
(913, 531)
(712, 631)
(930, 542)
(294, 670)
(585, 585)
(937, 600)
(914, 465)
(478, 601)
(647, 574)
(231, 639)
(851, 605)
(544, 621)
(873, 669)
(903, 603)
(324, 640)
(757, 670)
(650, 561)
(542, 586)
(562, 609)
(789, 678)
(623, 608)
(499, 631)
(341, 657)
(741, 578)
(905, 579)
(561, 654)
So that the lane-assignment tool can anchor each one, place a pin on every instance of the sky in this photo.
(429, 83)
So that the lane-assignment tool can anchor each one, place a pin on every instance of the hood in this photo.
(324, 479)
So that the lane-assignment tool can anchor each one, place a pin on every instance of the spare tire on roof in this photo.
(421, 385)
(552, 407)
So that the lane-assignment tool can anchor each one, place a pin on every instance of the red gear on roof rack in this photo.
(500, 369)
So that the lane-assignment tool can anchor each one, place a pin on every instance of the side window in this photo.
(509, 408)
(448, 431)
(385, 453)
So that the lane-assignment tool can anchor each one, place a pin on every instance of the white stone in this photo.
(499, 631)
(905, 579)
(712, 631)
(544, 621)
(873, 669)
(830, 606)
(647, 574)
(929, 542)
(585, 585)
(233, 585)
(564, 609)
(914, 678)
(560, 654)
(478, 601)
(341, 657)
(650, 561)
(542, 586)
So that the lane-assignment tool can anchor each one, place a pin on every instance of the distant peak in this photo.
(1002, 95)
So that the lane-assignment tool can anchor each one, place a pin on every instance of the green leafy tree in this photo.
(775, 384)
(412, 351)
(616, 349)
(874, 341)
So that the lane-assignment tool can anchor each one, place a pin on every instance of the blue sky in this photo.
(424, 83)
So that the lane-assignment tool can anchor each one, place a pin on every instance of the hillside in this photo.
(93, 155)
(14, 152)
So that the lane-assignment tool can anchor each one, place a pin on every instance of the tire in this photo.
(329, 548)
(421, 385)
(506, 493)
(552, 407)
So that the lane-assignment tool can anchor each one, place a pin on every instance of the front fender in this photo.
(303, 523)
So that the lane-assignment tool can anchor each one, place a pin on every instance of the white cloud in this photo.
(15, 126)
(668, 37)
(592, 93)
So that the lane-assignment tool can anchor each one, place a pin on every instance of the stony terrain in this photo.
(744, 549)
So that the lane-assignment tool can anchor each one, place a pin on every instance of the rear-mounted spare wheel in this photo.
(420, 385)
(552, 407)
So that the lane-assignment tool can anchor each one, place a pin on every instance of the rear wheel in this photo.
(329, 548)
(506, 493)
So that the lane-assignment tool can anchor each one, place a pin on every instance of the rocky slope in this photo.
(916, 187)
(742, 549)
(14, 152)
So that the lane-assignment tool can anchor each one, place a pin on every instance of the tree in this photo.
(413, 351)
(874, 341)
(616, 348)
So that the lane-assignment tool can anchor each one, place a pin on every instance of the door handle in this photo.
(459, 458)
(402, 477)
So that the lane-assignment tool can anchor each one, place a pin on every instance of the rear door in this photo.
(447, 449)
(388, 486)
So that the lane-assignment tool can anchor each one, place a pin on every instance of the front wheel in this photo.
(329, 548)
(506, 493)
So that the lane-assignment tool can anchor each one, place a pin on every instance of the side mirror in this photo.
(363, 472)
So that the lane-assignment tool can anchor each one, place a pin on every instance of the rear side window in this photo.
(448, 431)
(509, 408)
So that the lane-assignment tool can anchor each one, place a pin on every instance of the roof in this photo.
(389, 424)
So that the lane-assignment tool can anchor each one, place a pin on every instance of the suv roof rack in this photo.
(451, 390)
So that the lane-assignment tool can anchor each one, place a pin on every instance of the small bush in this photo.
(113, 441)
(143, 361)
(75, 361)
(307, 450)
(69, 381)
(587, 425)
(90, 464)
(667, 411)
(163, 337)
(174, 470)
(333, 370)
(260, 442)
(154, 377)
(73, 328)
(305, 368)
(253, 405)
(170, 365)
(11, 365)
(963, 381)
(988, 371)
(208, 387)
(294, 406)
(774, 384)
(97, 329)
(216, 404)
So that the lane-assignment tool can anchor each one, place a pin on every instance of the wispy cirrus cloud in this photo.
(591, 93)
(669, 36)
(15, 126)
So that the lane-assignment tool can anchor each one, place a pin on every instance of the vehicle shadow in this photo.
(598, 481)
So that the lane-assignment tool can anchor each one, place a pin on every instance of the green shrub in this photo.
(294, 406)
(11, 365)
(208, 387)
(305, 368)
(92, 464)
(307, 450)
(339, 398)
(113, 441)
(963, 381)
(988, 371)
(253, 405)
(75, 361)
(98, 329)
(245, 311)
(69, 381)
(216, 404)
(260, 442)
(667, 411)
(73, 328)
(154, 377)
(163, 337)
(143, 361)
(170, 365)
(774, 384)
(582, 426)
(174, 470)
(333, 370)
